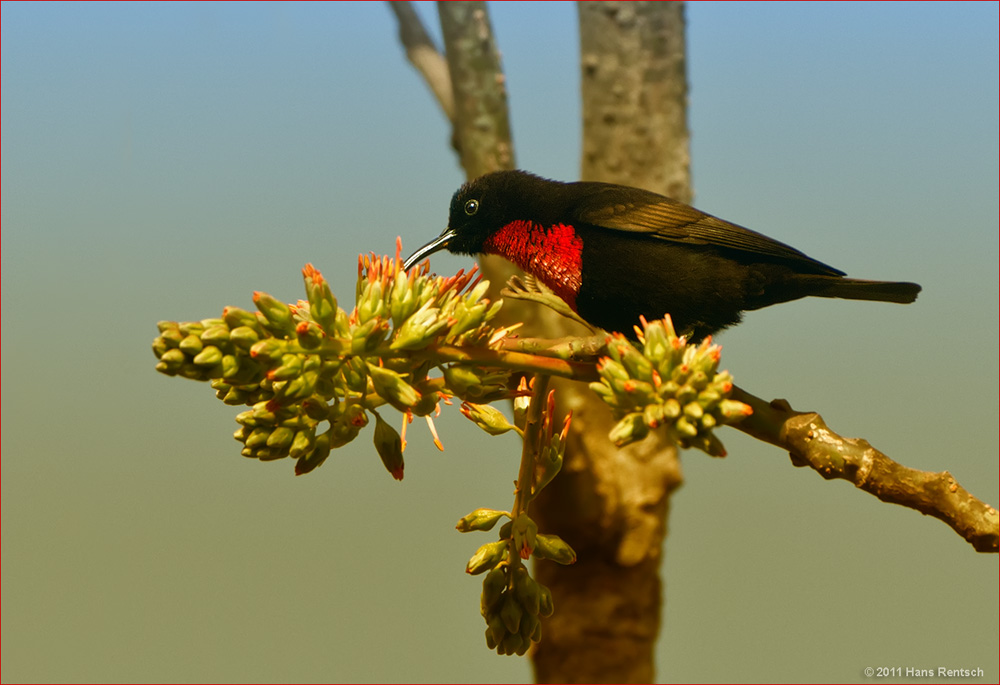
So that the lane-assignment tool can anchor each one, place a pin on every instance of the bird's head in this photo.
(478, 209)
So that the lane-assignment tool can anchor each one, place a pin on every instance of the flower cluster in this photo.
(299, 366)
(667, 383)
(512, 602)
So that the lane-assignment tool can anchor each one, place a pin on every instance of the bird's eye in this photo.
(471, 207)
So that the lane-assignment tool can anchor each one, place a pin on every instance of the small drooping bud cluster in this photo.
(512, 602)
(667, 383)
(299, 366)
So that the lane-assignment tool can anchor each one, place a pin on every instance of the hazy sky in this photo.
(163, 160)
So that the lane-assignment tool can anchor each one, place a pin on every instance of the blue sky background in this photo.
(160, 161)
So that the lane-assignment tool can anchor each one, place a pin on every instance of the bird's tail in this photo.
(858, 289)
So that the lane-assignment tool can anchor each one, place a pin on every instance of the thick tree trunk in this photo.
(634, 88)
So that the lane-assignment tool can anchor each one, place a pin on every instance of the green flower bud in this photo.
(191, 345)
(390, 386)
(527, 591)
(242, 433)
(389, 447)
(208, 357)
(555, 548)
(277, 314)
(171, 362)
(309, 334)
(300, 387)
(640, 393)
(194, 328)
(315, 458)
(497, 628)
(630, 428)
(281, 438)
(531, 628)
(402, 299)
(216, 335)
(685, 428)
(708, 398)
(269, 350)
(611, 369)
(514, 644)
(607, 395)
(419, 329)
(699, 380)
(693, 411)
(263, 414)
(291, 367)
(657, 344)
(511, 613)
(347, 425)
(486, 417)
(236, 317)
(371, 304)
(486, 557)
(686, 393)
(494, 585)
(269, 454)
(172, 336)
(637, 365)
(322, 304)
(368, 336)
(243, 337)
(733, 410)
(236, 396)
(316, 408)
(258, 438)
(653, 415)
(548, 464)
(160, 346)
(480, 519)
(711, 445)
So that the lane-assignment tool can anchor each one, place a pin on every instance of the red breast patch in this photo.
(553, 255)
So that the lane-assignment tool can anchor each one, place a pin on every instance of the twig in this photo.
(571, 348)
(811, 443)
(425, 56)
(516, 360)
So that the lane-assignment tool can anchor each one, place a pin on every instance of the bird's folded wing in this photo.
(666, 219)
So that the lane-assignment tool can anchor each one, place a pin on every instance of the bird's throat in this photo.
(553, 255)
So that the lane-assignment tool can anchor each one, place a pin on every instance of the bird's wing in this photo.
(628, 209)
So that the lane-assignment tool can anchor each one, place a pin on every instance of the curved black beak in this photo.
(439, 243)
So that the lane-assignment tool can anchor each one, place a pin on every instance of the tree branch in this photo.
(424, 56)
(811, 443)
(482, 124)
